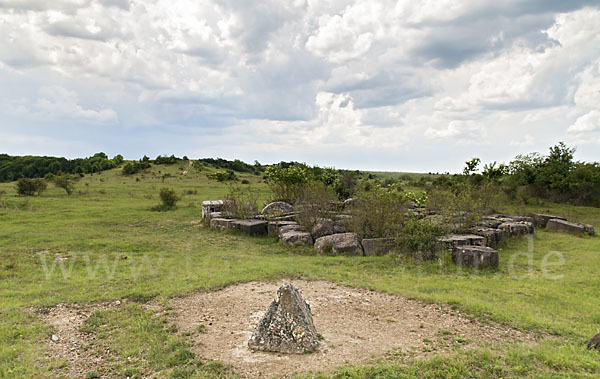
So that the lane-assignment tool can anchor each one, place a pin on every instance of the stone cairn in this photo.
(287, 327)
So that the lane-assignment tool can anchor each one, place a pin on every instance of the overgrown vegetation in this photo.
(379, 212)
(555, 177)
(242, 201)
(317, 203)
(29, 187)
(288, 181)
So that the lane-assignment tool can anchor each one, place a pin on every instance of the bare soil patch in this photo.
(357, 326)
(69, 343)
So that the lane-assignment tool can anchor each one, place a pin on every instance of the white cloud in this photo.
(58, 102)
(310, 76)
(589, 122)
(461, 130)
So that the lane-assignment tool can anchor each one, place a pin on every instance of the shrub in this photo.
(317, 201)
(419, 238)
(29, 187)
(378, 213)
(288, 183)
(222, 176)
(243, 201)
(135, 167)
(168, 199)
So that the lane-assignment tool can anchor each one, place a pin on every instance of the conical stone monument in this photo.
(287, 327)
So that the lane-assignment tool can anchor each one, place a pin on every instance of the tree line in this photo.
(17, 167)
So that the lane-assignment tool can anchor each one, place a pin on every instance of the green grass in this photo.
(104, 243)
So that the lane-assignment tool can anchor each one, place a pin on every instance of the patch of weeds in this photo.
(132, 373)
(93, 322)
(460, 340)
(141, 298)
(181, 357)
(421, 325)
(183, 372)
(320, 337)
(427, 340)
(172, 329)
(93, 375)
(201, 328)
(445, 332)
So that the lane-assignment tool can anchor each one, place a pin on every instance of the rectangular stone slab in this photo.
(542, 219)
(221, 223)
(475, 256)
(570, 227)
(251, 227)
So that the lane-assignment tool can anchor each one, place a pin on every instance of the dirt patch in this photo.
(68, 343)
(357, 326)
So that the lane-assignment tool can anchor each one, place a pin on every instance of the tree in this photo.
(66, 182)
(471, 166)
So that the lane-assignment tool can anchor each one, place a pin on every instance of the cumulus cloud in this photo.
(317, 77)
(58, 102)
(589, 122)
(461, 130)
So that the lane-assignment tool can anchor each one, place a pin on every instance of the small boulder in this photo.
(475, 256)
(274, 226)
(287, 327)
(277, 208)
(322, 228)
(289, 228)
(340, 244)
(570, 227)
(594, 342)
(297, 237)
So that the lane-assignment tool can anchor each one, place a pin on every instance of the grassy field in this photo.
(104, 243)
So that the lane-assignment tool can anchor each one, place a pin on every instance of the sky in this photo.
(374, 85)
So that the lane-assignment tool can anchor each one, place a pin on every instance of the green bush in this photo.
(29, 187)
(288, 183)
(222, 176)
(379, 212)
(168, 199)
(419, 238)
(135, 167)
